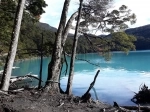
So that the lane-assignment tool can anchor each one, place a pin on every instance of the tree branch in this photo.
(85, 96)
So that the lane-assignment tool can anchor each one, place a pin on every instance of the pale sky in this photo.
(140, 7)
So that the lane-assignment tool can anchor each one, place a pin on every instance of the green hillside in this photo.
(143, 37)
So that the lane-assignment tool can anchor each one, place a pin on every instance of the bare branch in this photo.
(84, 97)
(88, 61)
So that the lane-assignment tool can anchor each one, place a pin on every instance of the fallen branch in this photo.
(86, 96)
(129, 108)
(4, 93)
(61, 104)
(20, 78)
(143, 108)
(120, 108)
(16, 90)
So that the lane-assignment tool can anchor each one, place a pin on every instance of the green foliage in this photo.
(7, 13)
(36, 7)
(123, 42)
(30, 35)
(30, 39)
(95, 15)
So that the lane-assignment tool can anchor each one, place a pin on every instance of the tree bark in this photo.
(41, 63)
(67, 28)
(85, 96)
(13, 47)
(55, 64)
(73, 55)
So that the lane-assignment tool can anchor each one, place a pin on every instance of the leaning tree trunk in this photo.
(71, 73)
(13, 47)
(68, 27)
(55, 64)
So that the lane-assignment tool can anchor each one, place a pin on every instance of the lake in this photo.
(117, 81)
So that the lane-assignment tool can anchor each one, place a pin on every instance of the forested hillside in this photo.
(30, 38)
(143, 37)
(141, 33)
(30, 35)
(32, 31)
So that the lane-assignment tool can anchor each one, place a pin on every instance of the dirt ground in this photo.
(34, 100)
(38, 101)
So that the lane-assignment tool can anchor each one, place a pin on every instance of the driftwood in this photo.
(119, 108)
(143, 108)
(3, 93)
(20, 78)
(86, 97)
(1, 71)
(131, 108)
(16, 91)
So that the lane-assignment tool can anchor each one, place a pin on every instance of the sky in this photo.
(140, 7)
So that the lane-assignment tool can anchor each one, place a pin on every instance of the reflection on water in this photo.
(111, 84)
(118, 79)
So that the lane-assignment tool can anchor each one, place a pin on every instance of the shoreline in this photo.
(34, 100)
(26, 59)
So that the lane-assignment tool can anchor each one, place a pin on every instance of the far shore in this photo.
(25, 59)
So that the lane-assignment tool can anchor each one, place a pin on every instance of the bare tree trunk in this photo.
(55, 64)
(41, 63)
(71, 73)
(67, 28)
(13, 47)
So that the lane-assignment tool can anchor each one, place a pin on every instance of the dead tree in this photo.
(87, 95)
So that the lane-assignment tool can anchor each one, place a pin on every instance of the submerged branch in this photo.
(86, 97)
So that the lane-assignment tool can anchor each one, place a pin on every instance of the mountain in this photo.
(46, 26)
(143, 31)
(143, 37)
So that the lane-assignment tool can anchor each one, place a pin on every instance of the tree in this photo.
(35, 7)
(7, 15)
(94, 14)
(7, 11)
(123, 42)
(55, 64)
(13, 47)
(73, 54)
(96, 17)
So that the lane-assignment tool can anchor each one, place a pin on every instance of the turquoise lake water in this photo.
(117, 81)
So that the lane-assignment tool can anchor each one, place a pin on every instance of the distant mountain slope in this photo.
(47, 27)
(143, 37)
(143, 31)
